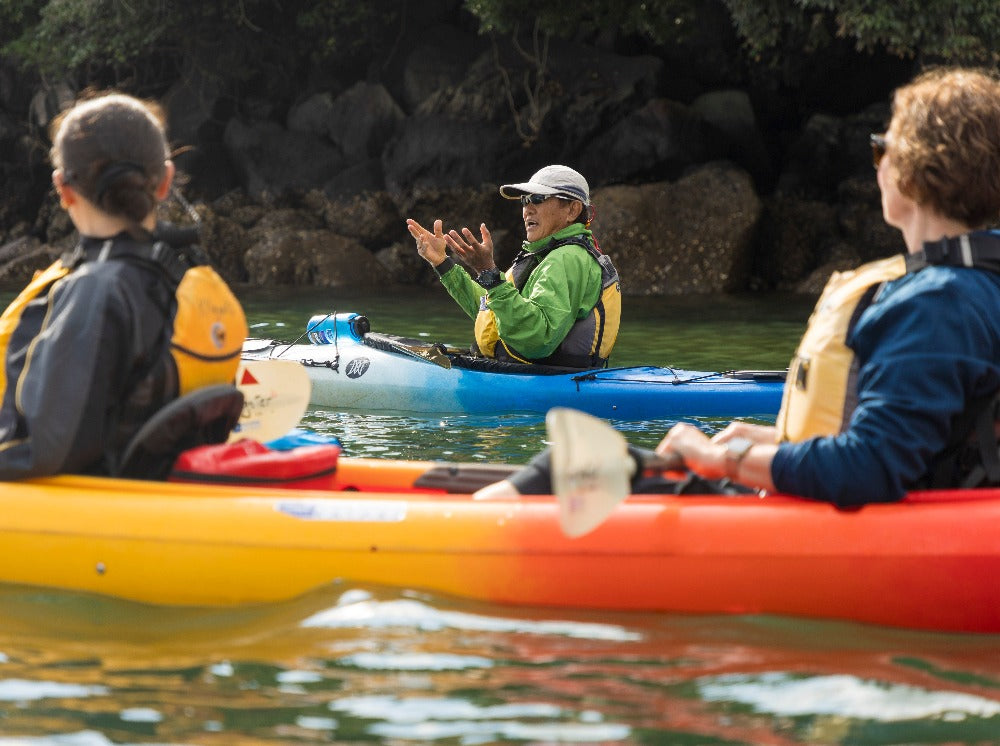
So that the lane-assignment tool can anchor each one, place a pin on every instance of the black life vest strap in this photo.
(979, 250)
(525, 261)
(169, 249)
(972, 455)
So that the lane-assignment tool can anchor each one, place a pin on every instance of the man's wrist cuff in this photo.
(444, 266)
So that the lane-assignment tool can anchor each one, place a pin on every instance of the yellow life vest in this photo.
(817, 394)
(209, 330)
(485, 330)
(209, 326)
(590, 340)
(11, 316)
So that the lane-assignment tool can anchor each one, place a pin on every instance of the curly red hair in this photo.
(945, 143)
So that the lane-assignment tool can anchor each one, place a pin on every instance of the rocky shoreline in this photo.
(694, 192)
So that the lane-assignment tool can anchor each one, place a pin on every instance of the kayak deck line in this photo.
(719, 377)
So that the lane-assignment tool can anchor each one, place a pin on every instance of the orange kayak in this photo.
(930, 562)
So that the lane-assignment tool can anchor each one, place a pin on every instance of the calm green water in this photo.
(358, 665)
(699, 334)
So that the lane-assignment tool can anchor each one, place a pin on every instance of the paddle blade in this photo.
(591, 468)
(275, 396)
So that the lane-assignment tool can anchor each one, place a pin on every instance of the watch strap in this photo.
(489, 278)
(736, 451)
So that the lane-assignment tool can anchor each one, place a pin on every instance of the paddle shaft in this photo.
(654, 461)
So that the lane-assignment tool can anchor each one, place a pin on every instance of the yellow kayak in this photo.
(929, 562)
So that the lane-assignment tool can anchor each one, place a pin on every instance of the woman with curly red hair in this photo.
(902, 356)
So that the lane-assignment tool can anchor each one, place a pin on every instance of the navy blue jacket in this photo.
(928, 344)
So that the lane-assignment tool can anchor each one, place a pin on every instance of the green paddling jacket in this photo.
(561, 305)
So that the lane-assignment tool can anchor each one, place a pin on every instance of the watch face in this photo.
(489, 278)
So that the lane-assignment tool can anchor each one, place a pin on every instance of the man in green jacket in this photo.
(560, 302)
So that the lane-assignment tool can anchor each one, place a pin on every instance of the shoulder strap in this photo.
(526, 261)
(972, 456)
(979, 250)
(987, 443)
(169, 249)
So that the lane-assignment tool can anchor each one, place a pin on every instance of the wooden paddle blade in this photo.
(591, 468)
(275, 396)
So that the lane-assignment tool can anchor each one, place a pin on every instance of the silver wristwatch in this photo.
(736, 450)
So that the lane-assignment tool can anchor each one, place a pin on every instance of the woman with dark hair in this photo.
(127, 321)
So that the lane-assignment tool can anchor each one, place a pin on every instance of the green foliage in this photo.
(108, 39)
(768, 27)
(956, 31)
(347, 26)
(144, 43)
(660, 21)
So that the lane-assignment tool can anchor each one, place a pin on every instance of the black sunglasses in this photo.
(535, 199)
(879, 146)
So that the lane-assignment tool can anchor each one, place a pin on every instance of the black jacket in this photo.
(87, 364)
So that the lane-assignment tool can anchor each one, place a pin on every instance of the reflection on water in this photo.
(378, 665)
(794, 696)
(511, 438)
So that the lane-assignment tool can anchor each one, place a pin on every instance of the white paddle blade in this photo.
(275, 396)
(591, 468)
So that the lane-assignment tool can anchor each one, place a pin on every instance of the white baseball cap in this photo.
(562, 181)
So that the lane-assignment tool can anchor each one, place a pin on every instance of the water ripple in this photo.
(410, 613)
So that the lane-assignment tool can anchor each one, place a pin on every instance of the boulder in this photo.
(659, 140)
(271, 159)
(859, 214)
(694, 235)
(359, 178)
(730, 112)
(191, 103)
(316, 258)
(362, 120)
(225, 241)
(22, 257)
(403, 265)
(827, 150)
(372, 218)
(842, 260)
(310, 115)
(436, 152)
(795, 235)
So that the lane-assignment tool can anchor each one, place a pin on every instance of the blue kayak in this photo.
(351, 367)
